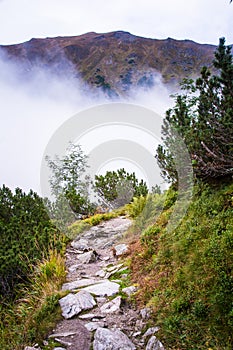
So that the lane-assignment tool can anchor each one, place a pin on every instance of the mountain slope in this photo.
(114, 61)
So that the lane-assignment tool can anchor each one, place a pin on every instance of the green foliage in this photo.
(27, 235)
(116, 188)
(203, 117)
(70, 184)
(36, 312)
(186, 274)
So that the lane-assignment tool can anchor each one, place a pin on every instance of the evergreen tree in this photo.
(203, 117)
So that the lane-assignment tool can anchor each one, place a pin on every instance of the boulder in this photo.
(73, 304)
(106, 339)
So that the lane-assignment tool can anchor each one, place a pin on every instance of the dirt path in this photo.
(97, 310)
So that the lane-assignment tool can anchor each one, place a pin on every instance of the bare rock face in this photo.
(106, 339)
(73, 304)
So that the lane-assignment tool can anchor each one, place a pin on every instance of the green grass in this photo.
(186, 275)
(34, 314)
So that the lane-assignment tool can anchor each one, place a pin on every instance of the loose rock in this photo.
(129, 290)
(101, 289)
(106, 339)
(112, 306)
(80, 283)
(89, 257)
(121, 249)
(73, 304)
(92, 326)
(154, 344)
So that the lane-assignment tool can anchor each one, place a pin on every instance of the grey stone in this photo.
(121, 249)
(73, 304)
(129, 290)
(154, 344)
(114, 268)
(101, 273)
(150, 331)
(106, 339)
(145, 313)
(64, 334)
(112, 306)
(105, 288)
(89, 257)
(92, 326)
(81, 245)
(87, 316)
(31, 348)
(80, 283)
(59, 349)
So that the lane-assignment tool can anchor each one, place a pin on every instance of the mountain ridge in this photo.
(114, 61)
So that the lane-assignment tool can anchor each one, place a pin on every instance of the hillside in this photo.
(114, 61)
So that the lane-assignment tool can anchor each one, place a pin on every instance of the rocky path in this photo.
(97, 312)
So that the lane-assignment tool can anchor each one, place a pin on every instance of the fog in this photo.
(32, 110)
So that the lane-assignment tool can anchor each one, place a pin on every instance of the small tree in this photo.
(69, 180)
(117, 188)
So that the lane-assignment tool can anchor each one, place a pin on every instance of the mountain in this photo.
(114, 61)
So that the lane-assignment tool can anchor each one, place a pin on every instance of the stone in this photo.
(79, 284)
(62, 335)
(92, 326)
(32, 348)
(89, 257)
(112, 306)
(59, 349)
(150, 331)
(81, 245)
(106, 339)
(87, 316)
(73, 304)
(154, 344)
(145, 313)
(129, 290)
(103, 289)
(74, 268)
(121, 249)
(100, 273)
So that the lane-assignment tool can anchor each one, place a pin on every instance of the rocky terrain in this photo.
(97, 309)
(113, 61)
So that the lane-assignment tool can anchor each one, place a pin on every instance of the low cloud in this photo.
(33, 108)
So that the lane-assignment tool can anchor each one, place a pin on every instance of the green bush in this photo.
(27, 235)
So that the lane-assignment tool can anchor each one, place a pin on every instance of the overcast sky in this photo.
(32, 112)
(203, 21)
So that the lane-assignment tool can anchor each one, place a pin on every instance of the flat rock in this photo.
(121, 249)
(154, 344)
(106, 339)
(150, 331)
(92, 326)
(62, 335)
(105, 288)
(73, 304)
(79, 284)
(129, 290)
(112, 306)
